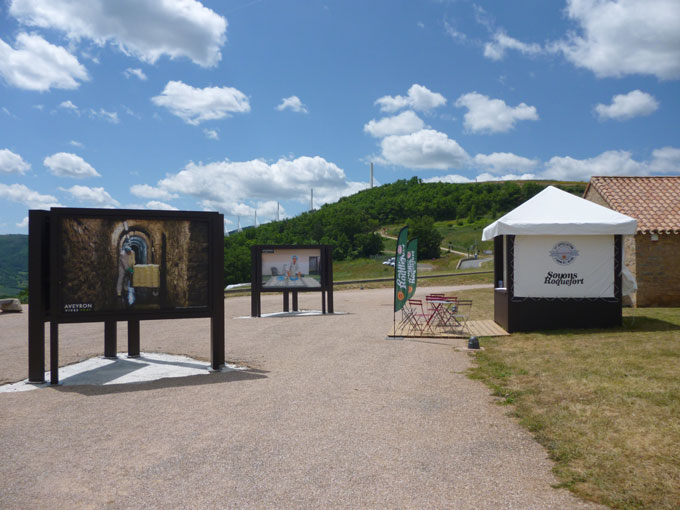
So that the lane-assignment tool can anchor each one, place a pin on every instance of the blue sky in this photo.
(237, 105)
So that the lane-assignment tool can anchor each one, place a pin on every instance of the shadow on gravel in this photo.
(170, 382)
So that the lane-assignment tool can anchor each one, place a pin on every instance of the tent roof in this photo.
(556, 212)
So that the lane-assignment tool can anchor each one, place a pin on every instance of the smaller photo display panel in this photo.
(291, 268)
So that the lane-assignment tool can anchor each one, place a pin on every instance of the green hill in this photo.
(13, 264)
(350, 225)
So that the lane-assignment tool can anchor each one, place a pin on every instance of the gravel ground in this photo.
(331, 414)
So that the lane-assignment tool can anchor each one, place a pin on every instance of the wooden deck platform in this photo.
(475, 328)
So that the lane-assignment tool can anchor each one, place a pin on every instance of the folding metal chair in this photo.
(462, 314)
(419, 320)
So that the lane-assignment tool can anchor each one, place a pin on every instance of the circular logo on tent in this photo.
(564, 253)
(399, 249)
(408, 254)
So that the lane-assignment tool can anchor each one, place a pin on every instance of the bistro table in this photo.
(443, 311)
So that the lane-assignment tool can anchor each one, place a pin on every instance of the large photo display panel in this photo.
(293, 269)
(131, 263)
(564, 266)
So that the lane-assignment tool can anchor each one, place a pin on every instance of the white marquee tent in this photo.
(558, 263)
(556, 212)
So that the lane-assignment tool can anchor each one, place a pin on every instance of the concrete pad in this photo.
(102, 371)
(299, 313)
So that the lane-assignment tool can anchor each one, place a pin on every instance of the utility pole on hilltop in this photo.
(311, 201)
(371, 174)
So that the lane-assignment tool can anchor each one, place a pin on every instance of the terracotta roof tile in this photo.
(653, 201)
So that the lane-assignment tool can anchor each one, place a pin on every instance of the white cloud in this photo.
(111, 117)
(226, 185)
(135, 72)
(76, 144)
(146, 191)
(487, 115)
(267, 210)
(23, 223)
(424, 149)
(30, 198)
(500, 162)
(92, 196)
(627, 106)
(402, 124)
(455, 34)
(665, 160)
(131, 112)
(292, 103)
(66, 164)
(486, 177)
(419, 98)
(211, 134)
(623, 37)
(68, 105)
(495, 50)
(194, 105)
(11, 163)
(155, 204)
(35, 64)
(147, 29)
(450, 179)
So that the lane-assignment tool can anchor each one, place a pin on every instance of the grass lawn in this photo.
(605, 403)
(363, 269)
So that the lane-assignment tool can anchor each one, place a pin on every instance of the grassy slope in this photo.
(461, 234)
(605, 403)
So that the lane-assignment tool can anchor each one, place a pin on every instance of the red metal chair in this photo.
(423, 320)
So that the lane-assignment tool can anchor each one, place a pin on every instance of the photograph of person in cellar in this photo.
(291, 268)
(133, 264)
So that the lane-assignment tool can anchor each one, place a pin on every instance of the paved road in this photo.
(473, 263)
(331, 414)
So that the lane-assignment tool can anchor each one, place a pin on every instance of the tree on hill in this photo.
(429, 239)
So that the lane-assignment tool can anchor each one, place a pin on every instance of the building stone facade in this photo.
(653, 254)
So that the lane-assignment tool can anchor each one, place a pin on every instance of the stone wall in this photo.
(658, 270)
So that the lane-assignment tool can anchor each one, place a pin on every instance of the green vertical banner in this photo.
(412, 267)
(400, 279)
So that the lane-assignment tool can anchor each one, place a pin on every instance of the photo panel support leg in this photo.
(110, 339)
(323, 301)
(54, 352)
(38, 295)
(286, 301)
(295, 301)
(133, 339)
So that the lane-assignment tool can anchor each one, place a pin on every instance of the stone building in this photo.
(653, 254)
